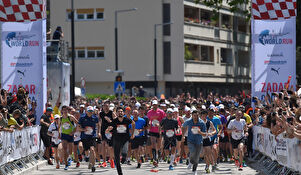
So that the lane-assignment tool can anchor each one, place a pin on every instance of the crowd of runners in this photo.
(181, 130)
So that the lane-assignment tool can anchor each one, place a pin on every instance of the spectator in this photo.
(57, 35)
(45, 123)
(32, 116)
(21, 120)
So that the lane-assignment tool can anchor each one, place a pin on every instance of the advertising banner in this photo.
(273, 55)
(23, 53)
(283, 150)
(19, 144)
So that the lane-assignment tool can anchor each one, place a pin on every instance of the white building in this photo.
(216, 55)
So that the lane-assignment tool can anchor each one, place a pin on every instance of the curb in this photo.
(29, 170)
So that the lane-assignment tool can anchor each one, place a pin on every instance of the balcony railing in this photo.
(57, 51)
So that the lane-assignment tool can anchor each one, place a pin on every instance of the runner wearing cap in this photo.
(178, 132)
(196, 129)
(238, 130)
(67, 128)
(215, 139)
(126, 149)
(155, 116)
(121, 134)
(207, 144)
(87, 126)
(169, 126)
(186, 116)
(138, 141)
(77, 144)
(45, 123)
(53, 131)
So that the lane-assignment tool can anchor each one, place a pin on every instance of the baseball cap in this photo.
(137, 105)
(154, 102)
(162, 104)
(56, 116)
(127, 108)
(172, 105)
(49, 109)
(169, 110)
(111, 107)
(175, 110)
(187, 109)
(82, 106)
(90, 109)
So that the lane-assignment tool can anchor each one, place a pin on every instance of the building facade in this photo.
(194, 54)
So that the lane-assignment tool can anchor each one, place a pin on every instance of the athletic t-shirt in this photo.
(185, 119)
(155, 117)
(169, 126)
(216, 121)
(121, 128)
(139, 124)
(179, 130)
(239, 126)
(54, 129)
(105, 123)
(88, 123)
(193, 136)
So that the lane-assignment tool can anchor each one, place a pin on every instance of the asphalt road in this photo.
(181, 169)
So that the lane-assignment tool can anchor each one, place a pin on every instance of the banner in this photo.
(23, 53)
(58, 74)
(19, 144)
(287, 152)
(273, 55)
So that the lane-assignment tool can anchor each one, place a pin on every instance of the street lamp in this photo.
(155, 54)
(72, 93)
(116, 34)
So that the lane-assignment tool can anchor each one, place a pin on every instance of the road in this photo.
(181, 169)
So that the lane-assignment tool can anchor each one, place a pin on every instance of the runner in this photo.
(53, 131)
(120, 128)
(196, 129)
(146, 138)
(207, 144)
(77, 144)
(67, 135)
(106, 116)
(215, 139)
(87, 126)
(238, 130)
(186, 116)
(155, 116)
(224, 139)
(137, 142)
(178, 133)
(169, 126)
(45, 123)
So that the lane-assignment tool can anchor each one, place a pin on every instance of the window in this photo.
(90, 16)
(167, 57)
(81, 54)
(99, 15)
(91, 53)
(80, 16)
(242, 25)
(207, 53)
(100, 53)
(226, 21)
(86, 14)
(166, 19)
(226, 55)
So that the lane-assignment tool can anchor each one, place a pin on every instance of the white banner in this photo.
(19, 144)
(286, 152)
(273, 55)
(23, 54)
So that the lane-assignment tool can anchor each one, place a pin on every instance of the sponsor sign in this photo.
(273, 55)
(23, 56)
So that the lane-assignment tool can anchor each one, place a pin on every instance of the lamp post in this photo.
(155, 54)
(116, 34)
(72, 94)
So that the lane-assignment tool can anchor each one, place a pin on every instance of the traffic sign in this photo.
(119, 87)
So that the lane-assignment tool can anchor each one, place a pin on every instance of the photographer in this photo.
(3, 97)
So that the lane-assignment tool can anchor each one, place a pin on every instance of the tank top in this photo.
(67, 126)
(179, 130)
(208, 129)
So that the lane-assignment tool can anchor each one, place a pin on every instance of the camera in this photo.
(290, 92)
(285, 98)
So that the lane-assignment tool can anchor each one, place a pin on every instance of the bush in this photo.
(100, 96)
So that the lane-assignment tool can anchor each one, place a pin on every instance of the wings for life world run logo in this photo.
(265, 38)
(14, 39)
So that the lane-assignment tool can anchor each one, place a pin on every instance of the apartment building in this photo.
(194, 54)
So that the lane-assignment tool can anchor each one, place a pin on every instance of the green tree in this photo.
(188, 55)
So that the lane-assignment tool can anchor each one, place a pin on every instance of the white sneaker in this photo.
(194, 172)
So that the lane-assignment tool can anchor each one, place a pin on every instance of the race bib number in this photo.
(136, 132)
(170, 133)
(178, 131)
(108, 135)
(195, 130)
(55, 134)
(66, 126)
(121, 129)
(89, 130)
(155, 122)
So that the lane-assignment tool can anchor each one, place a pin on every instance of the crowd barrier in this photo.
(287, 152)
(19, 144)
